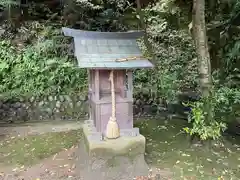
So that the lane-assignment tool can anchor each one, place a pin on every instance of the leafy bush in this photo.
(227, 103)
(200, 126)
(40, 69)
(224, 109)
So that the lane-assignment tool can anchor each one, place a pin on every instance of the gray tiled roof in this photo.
(102, 49)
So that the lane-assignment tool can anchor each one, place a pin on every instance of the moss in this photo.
(112, 162)
(114, 150)
(131, 148)
(115, 160)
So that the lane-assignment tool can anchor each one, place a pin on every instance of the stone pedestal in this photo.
(118, 159)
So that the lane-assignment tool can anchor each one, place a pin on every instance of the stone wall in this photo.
(66, 107)
(61, 107)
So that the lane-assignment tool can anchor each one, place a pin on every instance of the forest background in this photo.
(195, 46)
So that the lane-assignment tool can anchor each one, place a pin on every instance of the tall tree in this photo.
(203, 57)
(201, 44)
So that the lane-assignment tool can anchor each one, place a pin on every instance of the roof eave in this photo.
(101, 35)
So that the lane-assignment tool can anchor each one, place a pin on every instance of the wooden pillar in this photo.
(120, 82)
(130, 85)
(96, 82)
(89, 94)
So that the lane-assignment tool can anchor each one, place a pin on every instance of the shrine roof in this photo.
(102, 50)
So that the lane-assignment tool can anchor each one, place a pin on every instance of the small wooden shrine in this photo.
(110, 58)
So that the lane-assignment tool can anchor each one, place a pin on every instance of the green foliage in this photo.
(101, 15)
(172, 52)
(224, 41)
(230, 74)
(6, 3)
(224, 103)
(200, 127)
(227, 103)
(177, 71)
(40, 69)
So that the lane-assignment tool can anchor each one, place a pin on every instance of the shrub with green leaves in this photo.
(210, 123)
(200, 127)
(39, 69)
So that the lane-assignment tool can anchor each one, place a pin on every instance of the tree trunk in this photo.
(201, 43)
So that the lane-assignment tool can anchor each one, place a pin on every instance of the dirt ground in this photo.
(58, 167)
(38, 128)
(61, 166)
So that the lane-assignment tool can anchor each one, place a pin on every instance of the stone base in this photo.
(118, 159)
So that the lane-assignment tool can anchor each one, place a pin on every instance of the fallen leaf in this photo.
(209, 160)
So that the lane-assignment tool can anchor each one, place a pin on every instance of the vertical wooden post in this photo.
(130, 85)
(96, 82)
(120, 82)
(130, 94)
(89, 94)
